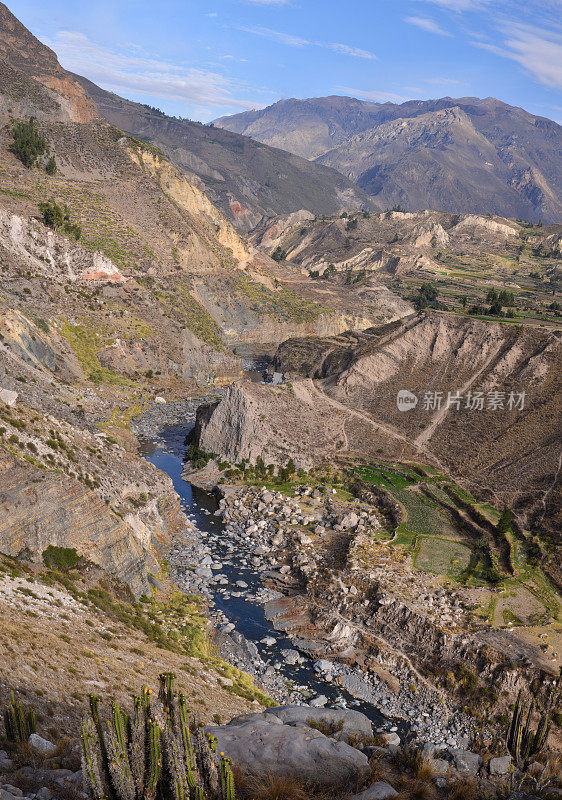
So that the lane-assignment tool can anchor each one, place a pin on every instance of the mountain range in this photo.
(246, 179)
(463, 155)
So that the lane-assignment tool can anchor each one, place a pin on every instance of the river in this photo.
(166, 451)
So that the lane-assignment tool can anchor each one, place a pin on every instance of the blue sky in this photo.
(204, 58)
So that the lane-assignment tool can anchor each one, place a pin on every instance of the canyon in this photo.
(204, 466)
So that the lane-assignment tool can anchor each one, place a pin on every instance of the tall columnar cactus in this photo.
(156, 754)
(522, 742)
(19, 721)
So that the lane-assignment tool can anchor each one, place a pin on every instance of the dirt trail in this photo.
(441, 414)
(378, 426)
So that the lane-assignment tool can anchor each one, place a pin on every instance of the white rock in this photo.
(8, 397)
(42, 746)
(319, 701)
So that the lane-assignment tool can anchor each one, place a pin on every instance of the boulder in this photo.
(466, 761)
(500, 766)
(4, 795)
(378, 791)
(349, 520)
(291, 657)
(42, 746)
(354, 723)
(391, 739)
(319, 701)
(260, 748)
(8, 397)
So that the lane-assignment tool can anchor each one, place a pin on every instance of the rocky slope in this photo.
(32, 82)
(247, 180)
(146, 300)
(396, 242)
(463, 155)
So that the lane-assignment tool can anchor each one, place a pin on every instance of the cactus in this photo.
(522, 742)
(154, 754)
(19, 721)
(227, 778)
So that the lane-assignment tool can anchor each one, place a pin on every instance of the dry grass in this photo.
(272, 787)
(463, 789)
(415, 790)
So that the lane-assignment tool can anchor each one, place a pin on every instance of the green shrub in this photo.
(51, 166)
(58, 218)
(28, 144)
(63, 558)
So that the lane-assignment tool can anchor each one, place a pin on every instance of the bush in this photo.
(279, 254)
(58, 217)
(63, 558)
(28, 144)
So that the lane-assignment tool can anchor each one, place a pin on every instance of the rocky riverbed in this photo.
(264, 533)
(246, 550)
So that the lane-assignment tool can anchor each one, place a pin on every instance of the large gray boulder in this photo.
(354, 723)
(260, 748)
(500, 766)
(466, 761)
(42, 746)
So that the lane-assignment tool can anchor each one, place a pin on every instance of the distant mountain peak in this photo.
(506, 161)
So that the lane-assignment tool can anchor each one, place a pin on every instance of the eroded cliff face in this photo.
(38, 509)
(507, 450)
(297, 421)
(192, 200)
(51, 254)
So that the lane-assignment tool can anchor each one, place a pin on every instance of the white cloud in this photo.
(374, 95)
(346, 50)
(297, 41)
(538, 50)
(459, 5)
(276, 36)
(446, 81)
(428, 25)
(128, 72)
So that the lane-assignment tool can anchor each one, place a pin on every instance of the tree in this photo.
(279, 254)
(51, 166)
(464, 301)
(426, 297)
(351, 224)
(57, 217)
(54, 215)
(28, 144)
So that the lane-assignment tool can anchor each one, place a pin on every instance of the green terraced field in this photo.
(441, 556)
